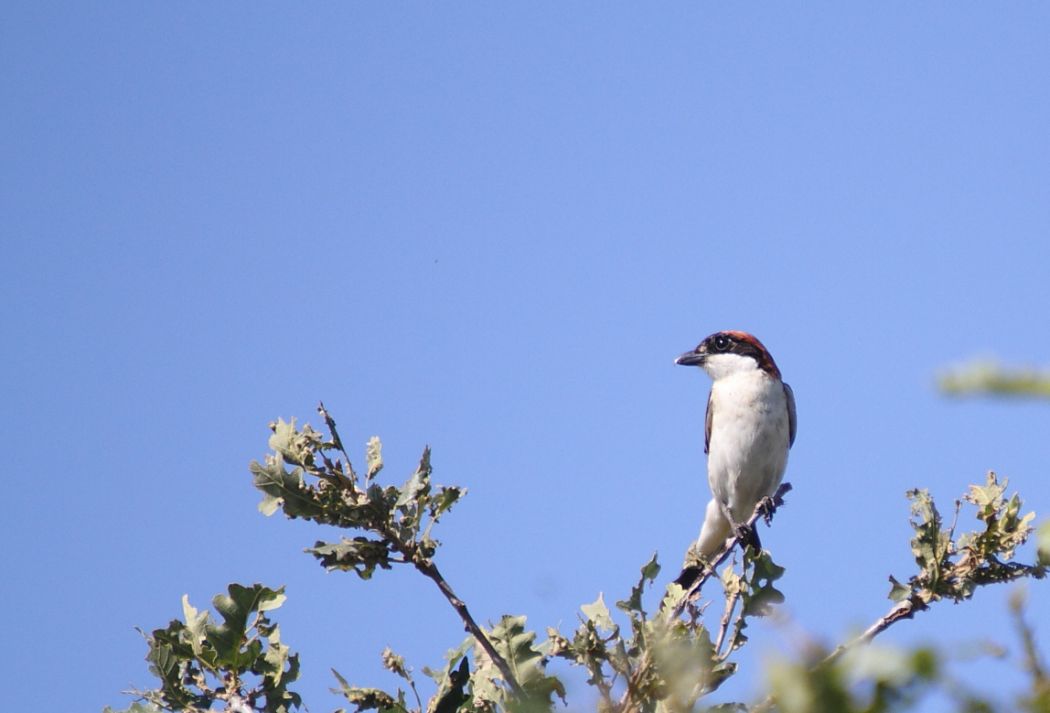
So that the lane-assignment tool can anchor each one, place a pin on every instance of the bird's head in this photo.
(726, 353)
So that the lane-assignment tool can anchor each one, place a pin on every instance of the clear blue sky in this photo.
(491, 227)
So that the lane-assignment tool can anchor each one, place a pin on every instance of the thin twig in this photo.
(348, 479)
(604, 688)
(1032, 660)
(430, 569)
(723, 628)
(903, 610)
(955, 520)
(415, 692)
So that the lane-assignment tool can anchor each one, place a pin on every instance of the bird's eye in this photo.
(721, 342)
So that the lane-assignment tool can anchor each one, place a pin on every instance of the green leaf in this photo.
(651, 569)
(364, 699)
(763, 595)
(443, 500)
(452, 657)
(598, 613)
(898, 591)
(451, 694)
(556, 644)
(395, 664)
(633, 604)
(515, 644)
(136, 707)
(361, 554)
(296, 446)
(419, 484)
(930, 545)
(196, 625)
(672, 596)
(685, 662)
(374, 453)
(988, 497)
(761, 602)
(200, 663)
(282, 488)
(451, 679)
(229, 637)
(766, 569)
(1043, 544)
(284, 434)
(276, 657)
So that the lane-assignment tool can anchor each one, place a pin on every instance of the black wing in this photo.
(792, 418)
(707, 425)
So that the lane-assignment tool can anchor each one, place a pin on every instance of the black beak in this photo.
(690, 359)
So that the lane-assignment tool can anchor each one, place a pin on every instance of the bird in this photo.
(749, 428)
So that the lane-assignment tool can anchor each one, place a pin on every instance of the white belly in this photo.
(747, 453)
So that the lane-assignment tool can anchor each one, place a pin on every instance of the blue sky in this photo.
(490, 228)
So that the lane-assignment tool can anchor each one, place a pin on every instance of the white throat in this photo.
(720, 366)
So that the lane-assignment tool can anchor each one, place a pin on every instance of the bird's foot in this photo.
(765, 508)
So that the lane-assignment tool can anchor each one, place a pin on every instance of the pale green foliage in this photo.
(370, 698)
(241, 662)
(136, 707)
(1044, 544)
(663, 661)
(866, 679)
(881, 679)
(989, 377)
(952, 567)
(321, 485)
(666, 656)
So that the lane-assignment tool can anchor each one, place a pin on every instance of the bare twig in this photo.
(903, 610)
(1032, 660)
(430, 569)
(415, 693)
(723, 628)
(605, 690)
(955, 520)
(348, 479)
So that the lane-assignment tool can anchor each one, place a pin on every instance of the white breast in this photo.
(749, 440)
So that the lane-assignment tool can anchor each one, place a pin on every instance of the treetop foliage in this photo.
(656, 649)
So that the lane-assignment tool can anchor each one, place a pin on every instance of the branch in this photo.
(723, 628)
(411, 553)
(430, 569)
(1032, 660)
(903, 610)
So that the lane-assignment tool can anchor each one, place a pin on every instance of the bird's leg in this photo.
(744, 533)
